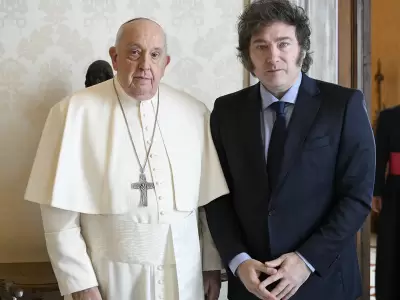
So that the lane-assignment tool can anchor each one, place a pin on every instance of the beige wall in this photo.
(45, 48)
(385, 45)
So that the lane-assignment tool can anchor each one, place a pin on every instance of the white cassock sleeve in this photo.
(67, 250)
(210, 256)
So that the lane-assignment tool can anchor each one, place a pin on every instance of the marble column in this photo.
(323, 16)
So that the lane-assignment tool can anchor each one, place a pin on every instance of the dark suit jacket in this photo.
(323, 195)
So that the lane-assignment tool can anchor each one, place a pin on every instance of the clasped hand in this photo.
(289, 269)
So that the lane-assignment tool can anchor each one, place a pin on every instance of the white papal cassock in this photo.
(96, 231)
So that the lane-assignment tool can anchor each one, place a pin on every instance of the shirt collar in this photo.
(289, 97)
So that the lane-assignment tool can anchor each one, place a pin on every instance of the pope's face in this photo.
(140, 58)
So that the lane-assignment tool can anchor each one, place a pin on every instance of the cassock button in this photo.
(160, 268)
(271, 213)
(159, 197)
(160, 282)
(162, 213)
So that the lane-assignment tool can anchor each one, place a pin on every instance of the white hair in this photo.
(121, 32)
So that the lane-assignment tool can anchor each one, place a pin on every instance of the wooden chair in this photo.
(33, 281)
(28, 281)
(8, 291)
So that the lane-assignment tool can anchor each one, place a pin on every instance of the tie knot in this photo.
(278, 107)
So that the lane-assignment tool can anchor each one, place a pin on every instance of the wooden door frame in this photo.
(362, 61)
(346, 43)
(354, 70)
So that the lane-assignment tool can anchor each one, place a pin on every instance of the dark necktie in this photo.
(276, 144)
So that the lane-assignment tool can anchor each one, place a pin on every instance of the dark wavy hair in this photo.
(98, 71)
(262, 13)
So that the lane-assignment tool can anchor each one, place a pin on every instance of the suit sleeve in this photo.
(67, 250)
(221, 216)
(382, 152)
(354, 181)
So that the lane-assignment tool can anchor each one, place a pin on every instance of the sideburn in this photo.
(300, 58)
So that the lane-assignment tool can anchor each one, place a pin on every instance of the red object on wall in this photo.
(394, 164)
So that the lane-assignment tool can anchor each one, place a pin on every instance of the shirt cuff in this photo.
(306, 262)
(237, 260)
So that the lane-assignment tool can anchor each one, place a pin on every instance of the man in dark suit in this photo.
(386, 203)
(299, 158)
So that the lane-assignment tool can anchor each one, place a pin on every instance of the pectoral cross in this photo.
(143, 186)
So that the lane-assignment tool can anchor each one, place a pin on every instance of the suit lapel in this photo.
(303, 116)
(251, 135)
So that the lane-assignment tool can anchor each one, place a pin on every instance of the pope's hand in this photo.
(89, 294)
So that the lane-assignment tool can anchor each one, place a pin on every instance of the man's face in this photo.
(140, 58)
(275, 54)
